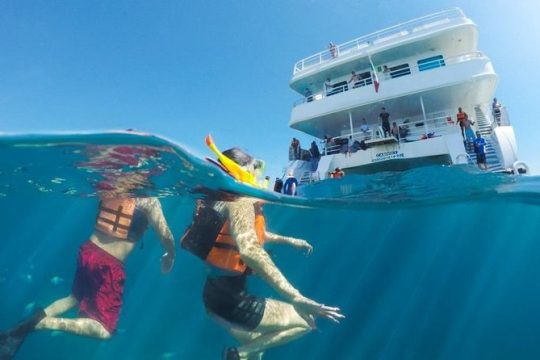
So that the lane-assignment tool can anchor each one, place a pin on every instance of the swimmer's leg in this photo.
(281, 323)
(254, 350)
(78, 326)
(61, 306)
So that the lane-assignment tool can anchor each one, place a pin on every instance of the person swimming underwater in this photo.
(229, 236)
(99, 280)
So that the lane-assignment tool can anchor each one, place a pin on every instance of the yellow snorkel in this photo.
(235, 170)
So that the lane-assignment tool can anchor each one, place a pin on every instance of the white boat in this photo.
(421, 71)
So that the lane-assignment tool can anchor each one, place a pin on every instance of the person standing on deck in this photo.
(462, 117)
(333, 49)
(479, 149)
(496, 108)
(385, 121)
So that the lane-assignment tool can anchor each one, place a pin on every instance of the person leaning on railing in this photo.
(354, 78)
(364, 126)
(386, 72)
(328, 87)
(330, 145)
(394, 131)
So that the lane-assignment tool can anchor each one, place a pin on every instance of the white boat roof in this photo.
(450, 30)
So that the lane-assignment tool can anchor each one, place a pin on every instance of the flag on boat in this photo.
(375, 77)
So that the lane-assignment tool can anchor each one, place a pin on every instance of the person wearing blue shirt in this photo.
(289, 187)
(479, 149)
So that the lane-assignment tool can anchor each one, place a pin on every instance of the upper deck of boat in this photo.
(427, 32)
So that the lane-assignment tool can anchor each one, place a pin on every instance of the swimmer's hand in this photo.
(167, 262)
(303, 245)
(308, 306)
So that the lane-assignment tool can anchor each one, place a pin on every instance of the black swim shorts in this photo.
(226, 297)
(480, 158)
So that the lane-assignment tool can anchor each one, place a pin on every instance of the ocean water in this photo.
(433, 263)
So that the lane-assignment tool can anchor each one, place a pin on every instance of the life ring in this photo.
(520, 167)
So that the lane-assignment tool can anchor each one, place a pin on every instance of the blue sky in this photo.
(184, 69)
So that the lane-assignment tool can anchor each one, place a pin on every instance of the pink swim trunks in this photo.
(99, 285)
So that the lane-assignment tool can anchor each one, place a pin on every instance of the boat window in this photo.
(400, 70)
(430, 63)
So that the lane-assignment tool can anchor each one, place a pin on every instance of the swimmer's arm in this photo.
(154, 213)
(289, 240)
(241, 221)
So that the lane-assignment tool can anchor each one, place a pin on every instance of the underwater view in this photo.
(438, 262)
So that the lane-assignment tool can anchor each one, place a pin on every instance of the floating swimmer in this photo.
(244, 173)
(99, 281)
(230, 236)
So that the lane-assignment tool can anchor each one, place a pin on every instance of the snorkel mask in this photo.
(247, 174)
(256, 167)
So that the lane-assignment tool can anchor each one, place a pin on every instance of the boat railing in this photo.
(308, 177)
(343, 86)
(391, 33)
(424, 129)
(408, 131)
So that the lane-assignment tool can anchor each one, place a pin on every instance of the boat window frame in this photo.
(400, 70)
(429, 63)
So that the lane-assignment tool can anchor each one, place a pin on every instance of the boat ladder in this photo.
(484, 126)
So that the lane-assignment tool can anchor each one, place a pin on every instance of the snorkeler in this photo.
(229, 236)
(99, 280)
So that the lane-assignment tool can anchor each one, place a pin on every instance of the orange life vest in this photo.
(461, 117)
(336, 174)
(115, 216)
(209, 237)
